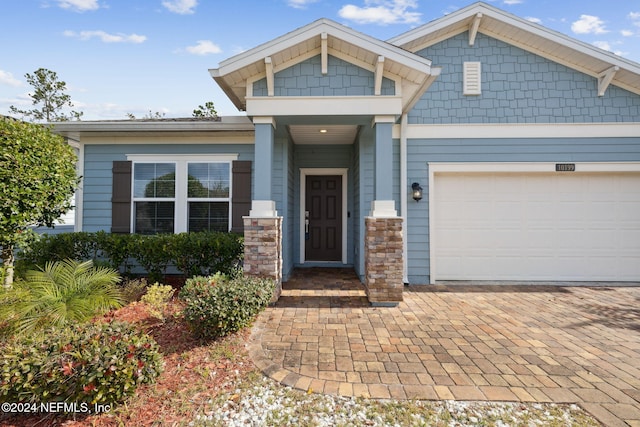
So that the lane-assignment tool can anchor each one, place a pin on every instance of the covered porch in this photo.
(328, 185)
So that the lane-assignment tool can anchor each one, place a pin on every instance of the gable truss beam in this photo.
(378, 76)
(324, 53)
(268, 64)
(605, 78)
(473, 28)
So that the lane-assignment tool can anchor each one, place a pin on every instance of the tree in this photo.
(208, 110)
(50, 97)
(37, 180)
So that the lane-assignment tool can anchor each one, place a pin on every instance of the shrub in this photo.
(63, 292)
(157, 298)
(84, 363)
(191, 253)
(216, 306)
(133, 289)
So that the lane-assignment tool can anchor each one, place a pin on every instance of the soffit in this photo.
(527, 35)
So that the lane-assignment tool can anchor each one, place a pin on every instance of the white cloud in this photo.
(534, 20)
(204, 47)
(300, 4)
(627, 33)
(607, 46)
(6, 78)
(510, 2)
(635, 18)
(181, 7)
(382, 12)
(106, 37)
(79, 5)
(588, 24)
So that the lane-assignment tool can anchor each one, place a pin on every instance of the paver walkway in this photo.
(502, 343)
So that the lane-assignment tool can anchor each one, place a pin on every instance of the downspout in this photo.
(403, 196)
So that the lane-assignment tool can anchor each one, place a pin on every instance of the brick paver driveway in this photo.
(503, 343)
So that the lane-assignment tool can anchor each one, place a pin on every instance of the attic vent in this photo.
(472, 81)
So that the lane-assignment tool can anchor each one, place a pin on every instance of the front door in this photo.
(323, 210)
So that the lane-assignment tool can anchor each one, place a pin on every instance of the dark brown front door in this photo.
(323, 202)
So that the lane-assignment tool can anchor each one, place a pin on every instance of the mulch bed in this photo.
(194, 372)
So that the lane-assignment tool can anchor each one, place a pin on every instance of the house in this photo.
(523, 144)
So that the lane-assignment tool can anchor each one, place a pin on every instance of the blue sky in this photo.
(136, 56)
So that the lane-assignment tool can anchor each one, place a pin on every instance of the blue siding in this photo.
(421, 151)
(517, 87)
(306, 79)
(98, 162)
(283, 196)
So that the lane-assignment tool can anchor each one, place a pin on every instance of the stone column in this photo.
(383, 260)
(263, 249)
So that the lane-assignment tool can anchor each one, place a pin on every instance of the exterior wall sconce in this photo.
(416, 191)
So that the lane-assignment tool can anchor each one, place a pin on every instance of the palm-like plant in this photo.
(63, 292)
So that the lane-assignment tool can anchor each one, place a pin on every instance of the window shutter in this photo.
(472, 78)
(121, 197)
(240, 194)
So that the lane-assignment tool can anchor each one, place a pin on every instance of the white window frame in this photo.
(181, 207)
(210, 199)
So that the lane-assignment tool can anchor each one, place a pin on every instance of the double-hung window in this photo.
(208, 196)
(173, 194)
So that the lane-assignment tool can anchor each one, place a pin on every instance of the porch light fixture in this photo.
(323, 131)
(417, 191)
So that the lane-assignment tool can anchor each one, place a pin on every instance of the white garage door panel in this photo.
(537, 226)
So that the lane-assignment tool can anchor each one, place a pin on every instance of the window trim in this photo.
(181, 201)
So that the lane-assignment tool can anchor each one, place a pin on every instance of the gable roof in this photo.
(555, 46)
(234, 73)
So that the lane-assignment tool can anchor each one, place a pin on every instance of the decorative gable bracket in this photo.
(268, 64)
(605, 78)
(378, 76)
(473, 28)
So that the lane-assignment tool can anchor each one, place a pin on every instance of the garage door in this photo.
(536, 226)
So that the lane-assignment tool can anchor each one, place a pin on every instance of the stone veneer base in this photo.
(383, 261)
(263, 250)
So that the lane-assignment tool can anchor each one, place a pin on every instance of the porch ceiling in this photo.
(332, 135)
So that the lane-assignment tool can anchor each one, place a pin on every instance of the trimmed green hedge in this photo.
(217, 306)
(190, 253)
(83, 363)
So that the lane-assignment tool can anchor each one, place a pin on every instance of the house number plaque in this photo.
(565, 167)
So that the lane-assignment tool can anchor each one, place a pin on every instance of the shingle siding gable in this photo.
(306, 79)
(517, 87)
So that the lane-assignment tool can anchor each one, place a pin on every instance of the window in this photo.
(188, 194)
(154, 197)
(208, 196)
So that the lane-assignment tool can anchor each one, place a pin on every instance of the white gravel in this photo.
(265, 403)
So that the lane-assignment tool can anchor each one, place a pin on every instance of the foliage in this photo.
(50, 97)
(63, 292)
(133, 289)
(157, 298)
(148, 116)
(83, 363)
(37, 180)
(208, 110)
(191, 253)
(217, 306)
(152, 253)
